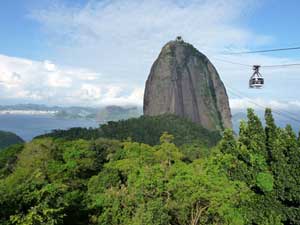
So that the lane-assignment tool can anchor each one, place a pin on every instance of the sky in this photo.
(99, 52)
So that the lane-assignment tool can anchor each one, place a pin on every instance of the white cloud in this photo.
(113, 92)
(57, 78)
(122, 38)
(133, 98)
(89, 92)
(10, 79)
(260, 104)
(49, 66)
(44, 82)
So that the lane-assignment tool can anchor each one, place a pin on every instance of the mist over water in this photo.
(29, 126)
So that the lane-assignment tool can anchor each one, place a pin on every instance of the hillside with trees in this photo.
(144, 129)
(8, 138)
(250, 179)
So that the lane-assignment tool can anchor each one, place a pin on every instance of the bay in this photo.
(30, 126)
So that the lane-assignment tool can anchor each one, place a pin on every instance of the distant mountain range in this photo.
(101, 114)
(115, 113)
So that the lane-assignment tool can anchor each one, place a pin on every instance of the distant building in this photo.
(179, 39)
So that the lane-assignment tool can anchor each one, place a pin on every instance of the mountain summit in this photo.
(184, 82)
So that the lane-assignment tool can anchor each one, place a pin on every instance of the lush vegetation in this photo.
(144, 130)
(250, 179)
(8, 158)
(8, 138)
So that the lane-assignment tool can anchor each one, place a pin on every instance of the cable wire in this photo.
(290, 113)
(262, 51)
(281, 65)
(276, 111)
(234, 63)
(262, 66)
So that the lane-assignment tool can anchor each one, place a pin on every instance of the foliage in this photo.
(7, 139)
(171, 179)
(146, 130)
(265, 181)
(152, 185)
(109, 182)
(267, 160)
(8, 158)
(73, 134)
(49, 182)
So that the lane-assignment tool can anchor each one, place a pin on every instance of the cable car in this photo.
(256, 80)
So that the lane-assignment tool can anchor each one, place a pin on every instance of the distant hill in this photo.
(144, 129)
(101, 114)
(7, 139)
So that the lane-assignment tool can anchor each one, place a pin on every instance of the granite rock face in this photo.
(184, 82)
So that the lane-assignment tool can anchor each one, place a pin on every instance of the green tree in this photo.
(228, 144)
(252, 135)
(153, 185)
(271, 132)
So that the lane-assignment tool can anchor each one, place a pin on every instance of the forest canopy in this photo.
(249, 178)
(144, 129)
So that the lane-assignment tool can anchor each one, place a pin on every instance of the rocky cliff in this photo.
(184, 82)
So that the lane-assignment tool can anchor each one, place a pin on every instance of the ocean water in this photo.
(29, 126)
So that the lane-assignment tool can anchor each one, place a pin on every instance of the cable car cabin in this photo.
(256, 80)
